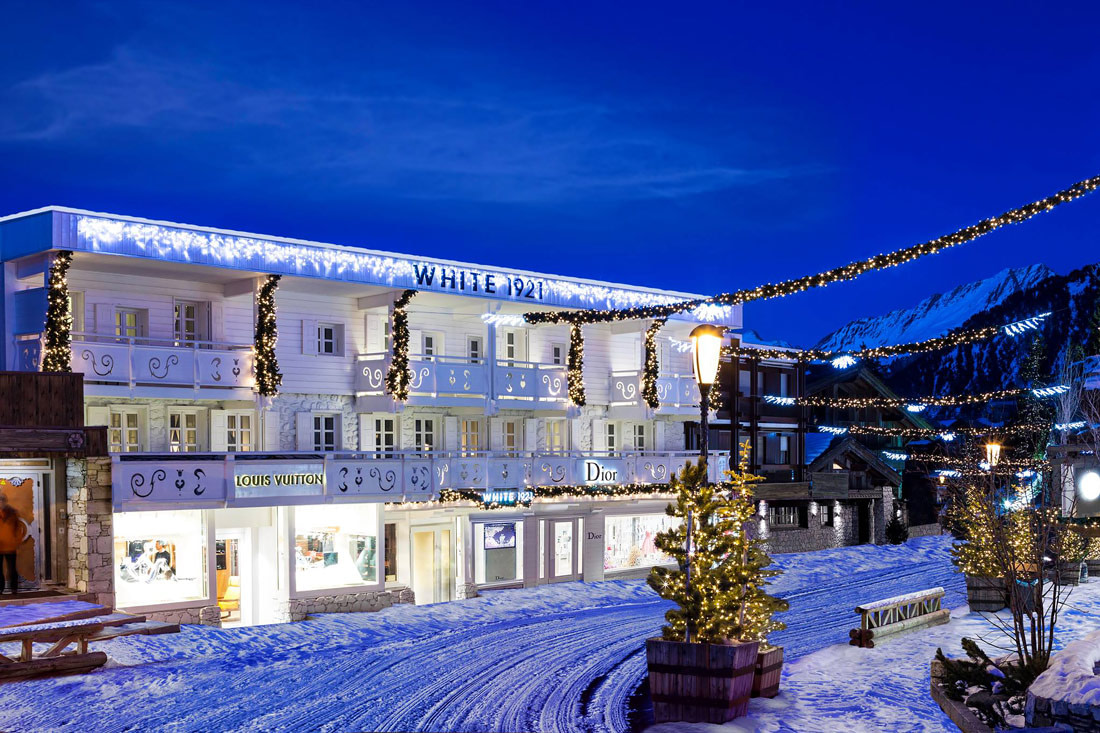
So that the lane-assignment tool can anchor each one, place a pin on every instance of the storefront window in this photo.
(498, 551)
(630, 541)
(160, 557)
(335, 546)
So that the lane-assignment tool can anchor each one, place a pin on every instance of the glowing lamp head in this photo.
(993, 453)
(1088, 486)
(706, 342)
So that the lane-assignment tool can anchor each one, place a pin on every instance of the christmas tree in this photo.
(1033, 410)
(727, 599)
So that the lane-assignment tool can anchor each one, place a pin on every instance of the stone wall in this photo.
(801, 540)
(90, 527)
(296, 609)
(198, 615)
(924, 530)
(288, 405)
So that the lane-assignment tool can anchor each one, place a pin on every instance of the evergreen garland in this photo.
(454, 496)
(398, 375)
(575, 365)
(56, 351)
(652, 366)
(268, 377)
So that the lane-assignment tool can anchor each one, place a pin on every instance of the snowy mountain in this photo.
(936, 314)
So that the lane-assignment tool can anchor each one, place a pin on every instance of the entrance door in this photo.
(246, 565)
(433, 567)
(563, 557)
(232, 563)
(864, 516)
(22, 490)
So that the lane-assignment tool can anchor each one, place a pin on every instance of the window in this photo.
(612, 438)
(324, 432)
(124, 432)
(431, 344)
(187, 328)
(784, 449)
(384, 435)
(555, 434)
(784, 384)
(639, 437)
(129, 322)
(784, 516)
(469, 436)
(335, 546)
(744, 382)
(630, 541)
(510, 437)
(473, 349)
(330, 339)
(498, 552)
(160, 557)
(828, 514)
(424, 434)
(238, 432)
(557, 354)
(183, 431)
(389, 546)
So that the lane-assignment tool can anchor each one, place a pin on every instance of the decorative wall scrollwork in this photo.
(418, 377)
(657, 471)
(553, 384)
(155, 365)
(386, 480)
(103, 366)
(138, 482)
(215, 368)
(556, 473)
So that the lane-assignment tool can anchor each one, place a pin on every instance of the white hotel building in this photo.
(325, 496)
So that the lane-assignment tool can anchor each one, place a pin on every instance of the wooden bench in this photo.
(895, 615)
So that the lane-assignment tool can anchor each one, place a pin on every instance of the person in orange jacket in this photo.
(13, 532)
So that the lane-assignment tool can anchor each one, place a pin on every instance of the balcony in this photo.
(270, 479)
(679, 394)
(458, 381)
(135, 362)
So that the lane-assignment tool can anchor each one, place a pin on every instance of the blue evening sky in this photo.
(699, 147)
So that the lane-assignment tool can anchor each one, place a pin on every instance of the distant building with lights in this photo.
(231, 507)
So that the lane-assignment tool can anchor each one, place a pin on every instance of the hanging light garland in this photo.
(268, 377)
(575, 365)
(398, 375)
(846, 359)
(918, 404)
(947, 435)
(652, 369)
(486, 500)
(56, 351)
(839, 274)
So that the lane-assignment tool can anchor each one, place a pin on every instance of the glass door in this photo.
(22, 492)
(563, 550)
(433, 564)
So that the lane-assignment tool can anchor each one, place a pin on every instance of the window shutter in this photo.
(218, 439)
(496, 434)
(309, 338)
(366, 432)
(599, 434)
(450, 433)
(531, 434)
(98, 416)
(576, 440)
(376, 333)
(104, 318)
(304, 432)
(416, 343)
(272, 432)
(217, 323)
(659, 435)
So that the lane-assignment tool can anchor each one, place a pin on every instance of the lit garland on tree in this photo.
(652, 366)
(575, 365)
(727, 600)
(844, 359)
(945, 434)
(268, 377)
(56, 351)
(398, 375)
(839, 274)
(912, 404)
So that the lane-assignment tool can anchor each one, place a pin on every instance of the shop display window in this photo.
(630, 541)
(498, 551)
(335, 546)
(160, 557)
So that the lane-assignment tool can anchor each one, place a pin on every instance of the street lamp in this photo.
(992, 454)
(706, 342)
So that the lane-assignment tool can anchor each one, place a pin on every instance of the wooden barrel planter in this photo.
(1094, 567)
(1073, 573)
(700, 683)
(769, 668)
(986, 594)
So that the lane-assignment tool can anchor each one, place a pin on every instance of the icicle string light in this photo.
(652, 371)
(56, 351)
(398, 375)
(845, 359)
(915, 404)
(268, 377)
(839, 274)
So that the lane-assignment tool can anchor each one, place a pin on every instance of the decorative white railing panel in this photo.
(133, 362)
(677, 393)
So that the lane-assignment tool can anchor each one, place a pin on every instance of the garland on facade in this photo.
(913, 404)
(56, 351)
(398, 375)
(839, 274)
(845, 359)
(477, 496)
(575, 365)
(652, 369)
(268, 377)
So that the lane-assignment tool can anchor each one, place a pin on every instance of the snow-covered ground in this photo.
(556, 658)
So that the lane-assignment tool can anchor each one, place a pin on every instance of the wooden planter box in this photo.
(700, 683)
(1094, 567)
(769, 668)
(986, 594)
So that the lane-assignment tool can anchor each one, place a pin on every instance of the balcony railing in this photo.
(678, 393)
(520, 383)
(252, 479)
(148, 361)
